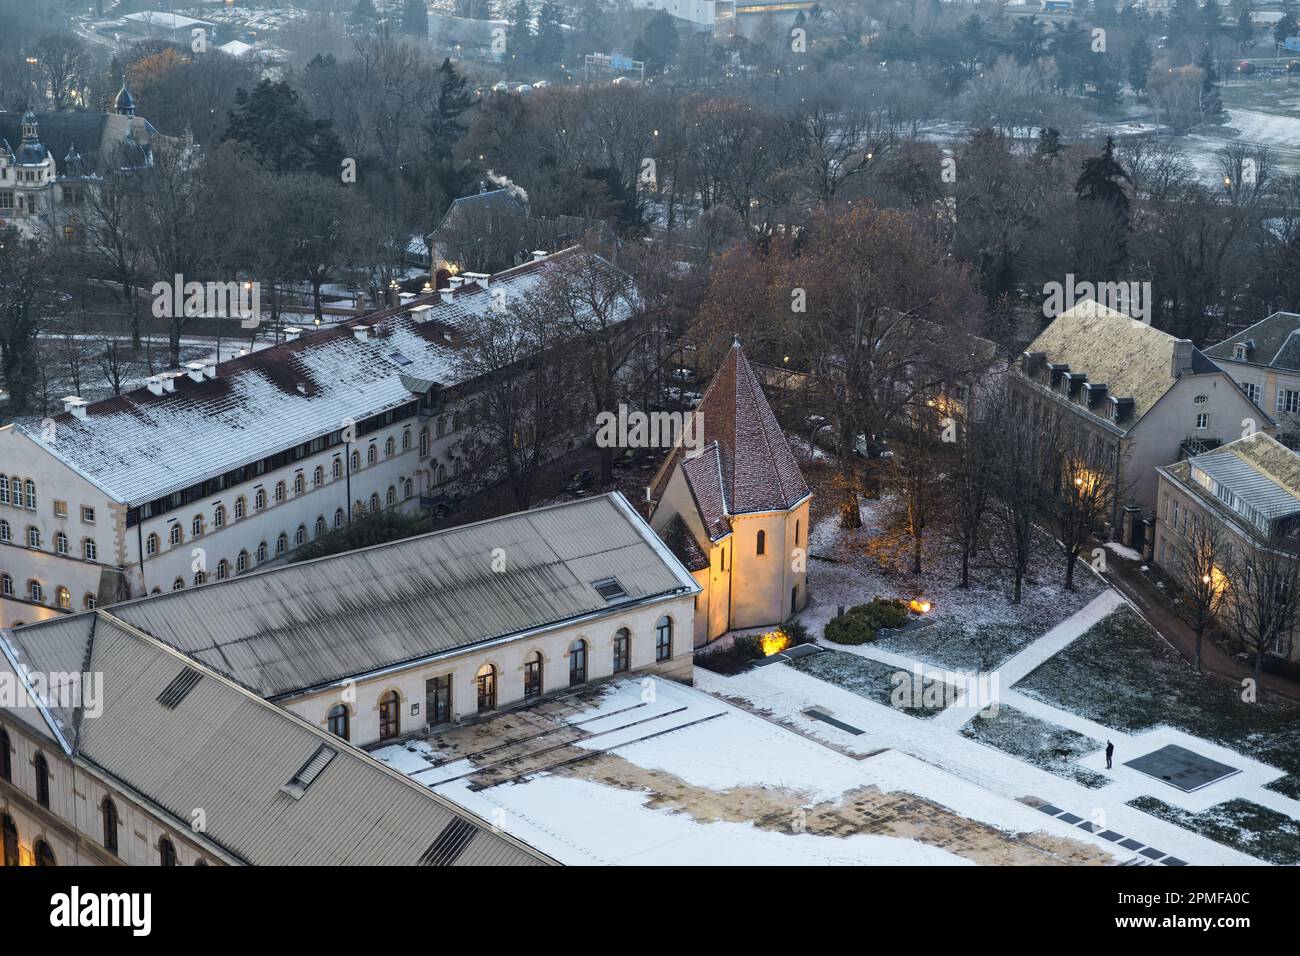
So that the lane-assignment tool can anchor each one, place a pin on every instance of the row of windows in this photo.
(34, 591)
(19, 492)
(89, 551)
(438, 689)
(108, 815)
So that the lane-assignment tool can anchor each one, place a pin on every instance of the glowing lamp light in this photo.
(774, 642)
(919, 606)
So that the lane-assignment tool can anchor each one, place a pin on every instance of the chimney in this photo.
(292, 333)
(482, 278)
(168, 379)
(455, 282)
(420, 313)
(1182, 360)
(1096, 393)
(154, 384)
(195, 371)
(361, 332)
(446, 294)
(539, 255)
(75, 405)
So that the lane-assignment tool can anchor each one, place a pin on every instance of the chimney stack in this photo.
(539, 255)
(195, 371)
(361, 332)
(75, 405)
(292, 333)
(1182, 361)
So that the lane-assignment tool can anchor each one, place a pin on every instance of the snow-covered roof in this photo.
(236, 48)
(140, 446)
(168, 21)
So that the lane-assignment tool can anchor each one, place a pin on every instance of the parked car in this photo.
(501, 87)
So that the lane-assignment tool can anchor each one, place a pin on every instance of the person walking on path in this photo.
(1110, 752)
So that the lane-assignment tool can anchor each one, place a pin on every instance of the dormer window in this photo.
(1239, 352)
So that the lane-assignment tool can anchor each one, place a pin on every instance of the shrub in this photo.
(748, 647)
(854, 626)
(796, 630)
(887, 613)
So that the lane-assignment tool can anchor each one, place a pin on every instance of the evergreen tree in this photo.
(657, 45)
(444, 127)
(1211, 103)
(1140, 59)
(364, 16)
(548, 47)
(1049, 142)
(1285, 28)
(1101, 180)
(1244, 31)
(415, 18)
(273, 121)
(519, 34)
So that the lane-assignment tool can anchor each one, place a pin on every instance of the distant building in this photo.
(1265, 361)
(1250, 489)
(1149, 397)
(734, 508)
(169, 26)
(41, 196)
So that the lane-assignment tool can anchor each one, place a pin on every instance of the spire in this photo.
(124, 103)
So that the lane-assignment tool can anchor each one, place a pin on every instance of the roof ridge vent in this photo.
(179, 688)
(309, 771)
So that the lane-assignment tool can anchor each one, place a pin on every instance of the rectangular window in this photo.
(1202, 421)
(437, 699)
(1252, 391)
(87, 515)
(1288, 400)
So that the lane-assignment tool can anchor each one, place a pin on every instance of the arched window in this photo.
(223, 569)
(336, 468)
(200, 578)
(577, 663)
(390, 715)
(151, 545)
(33, 537)
(356, 460)
(63, 598)
(442, 474)
(389, 448)
(196, 526)
(261, 552)
(281, 544)
(42, 768)
(299, 484)
(406, 439)
(10, 836)
(60, 542)
(279, 492)
(392, 496)
(166, 852)
(339, 518)
(374, 502)
(178, 584)
(4, 489)
(31, 494)
(761, 545)
(36, 591)
(241, 507)
(89, 550)
(300, 536)
(664, 638)
(424, 443)
(6, 760)
(6, 533)
(318, 477)
(219, 516)
(108, 816)
(408, 488)
(338, 721)
(259, 500)
(533, 675)
(622, 650)
(89, 601)
(174, 535)
(487, 688)
(372, 454)
(6, 585)
(796, 531)
(320, 525)
(44, 855)
(442, 426)
(241, 562)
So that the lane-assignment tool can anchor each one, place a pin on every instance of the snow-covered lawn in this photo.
(1036, 741)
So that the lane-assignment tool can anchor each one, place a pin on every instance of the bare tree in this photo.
(63, 64)
(1088, 476)
(971, 476)
(1024, 455)
(1264, 589)
(1201, 557)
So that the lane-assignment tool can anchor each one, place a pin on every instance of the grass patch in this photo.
(1122, 675)
(863, 676)
(1254, 830)
(1052, 748)
(960, 646)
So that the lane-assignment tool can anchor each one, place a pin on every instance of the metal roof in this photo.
(141, 446)
(224, 756)
(1255, 489)
(322, 621)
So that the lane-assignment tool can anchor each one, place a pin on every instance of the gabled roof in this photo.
(139, 446)
(319, 622)
(215, 747)
(499, 201)
(1262, 475)
(1273, 341)
(683, 545)
(1133, 359)
(751, 467)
